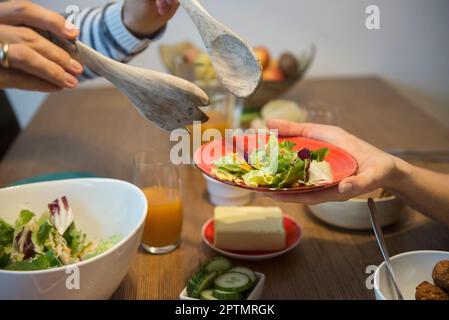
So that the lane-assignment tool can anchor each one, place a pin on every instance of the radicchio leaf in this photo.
(25, 244)
(28, 247)
(61, 214)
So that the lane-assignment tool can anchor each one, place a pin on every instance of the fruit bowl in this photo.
(274, 84)
(185, 60)
(269, 90)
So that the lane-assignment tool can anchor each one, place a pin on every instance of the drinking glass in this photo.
(224, 112)
(160, 182)
(322, 113)
(224, 109)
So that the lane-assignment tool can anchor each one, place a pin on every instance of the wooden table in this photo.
(98, 131)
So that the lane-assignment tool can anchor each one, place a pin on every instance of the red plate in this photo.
(293, 236)
(342, 163)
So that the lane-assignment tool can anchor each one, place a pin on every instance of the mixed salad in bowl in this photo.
(48, 241)
(275, 165)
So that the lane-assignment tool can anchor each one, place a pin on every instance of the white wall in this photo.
(411, 50)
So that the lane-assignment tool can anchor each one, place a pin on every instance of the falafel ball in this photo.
(440, 275)
(428, 291)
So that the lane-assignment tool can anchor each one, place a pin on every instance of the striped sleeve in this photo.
(103, 29)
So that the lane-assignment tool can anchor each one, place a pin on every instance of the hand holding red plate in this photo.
(376, 168)
(342, 163)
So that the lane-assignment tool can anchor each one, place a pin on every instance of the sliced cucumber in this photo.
(233, 281)
(191, 286)
(207, 295)
(206, 283)
(226, 295)
(250, 273)
(218, 264)
(195, 280)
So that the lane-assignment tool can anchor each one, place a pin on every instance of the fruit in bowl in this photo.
(286, 67)
(273, 74)
(203, 68)
(263, 55)
(187, 61)
(279, 74)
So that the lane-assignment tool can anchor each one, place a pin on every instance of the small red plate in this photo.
(293, 235)
(342, 163)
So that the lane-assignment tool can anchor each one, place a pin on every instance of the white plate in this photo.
(255, 294)
(253, 257)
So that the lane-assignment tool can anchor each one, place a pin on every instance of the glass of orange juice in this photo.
(160, 183)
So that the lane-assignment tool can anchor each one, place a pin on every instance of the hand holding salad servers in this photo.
(168, 101)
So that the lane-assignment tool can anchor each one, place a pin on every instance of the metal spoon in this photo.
(383, 247)
(168, 101)
(235, 62)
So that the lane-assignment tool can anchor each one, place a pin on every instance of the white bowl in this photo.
(255, 294)
(102, 208)
(410, 268)
(221, 194)
(354, 213)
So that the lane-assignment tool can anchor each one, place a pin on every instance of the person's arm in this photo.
(123, 29)
(29, 61)
(424, 190)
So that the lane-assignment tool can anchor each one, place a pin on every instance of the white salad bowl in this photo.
(410, 268)
(102, 208)
(354, 213)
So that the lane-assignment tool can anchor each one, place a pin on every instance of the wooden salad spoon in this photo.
(168, 101)
(236, 64)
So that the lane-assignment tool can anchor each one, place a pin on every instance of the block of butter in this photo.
(249, 228)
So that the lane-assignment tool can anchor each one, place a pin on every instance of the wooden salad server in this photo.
(236, 64)
(168, 101)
